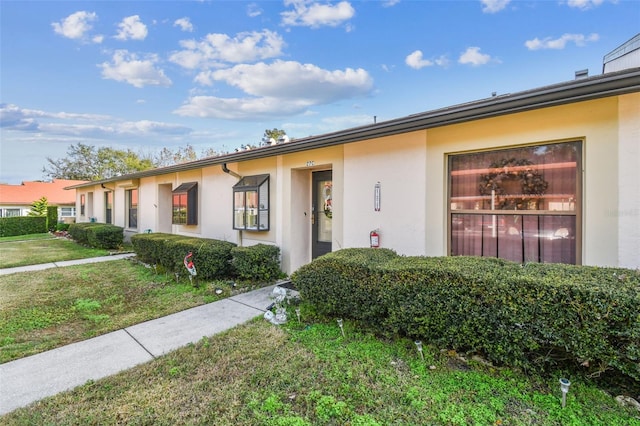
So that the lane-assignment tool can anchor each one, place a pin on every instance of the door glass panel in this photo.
(325, 210)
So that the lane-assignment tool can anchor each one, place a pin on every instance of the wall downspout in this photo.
(237, 176)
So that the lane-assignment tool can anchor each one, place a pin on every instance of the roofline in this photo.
(596, 87)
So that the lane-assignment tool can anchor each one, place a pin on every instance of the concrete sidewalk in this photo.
(30, 379)
(63, 263)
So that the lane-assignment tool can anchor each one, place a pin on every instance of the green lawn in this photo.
(309, 374)
(46, 309)
(45, 236)
(42, 250)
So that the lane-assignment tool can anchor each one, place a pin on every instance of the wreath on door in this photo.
(327, 206)
(530, 180)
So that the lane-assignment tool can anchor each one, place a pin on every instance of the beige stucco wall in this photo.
(399, 164)
(594, 122)
(628, 212)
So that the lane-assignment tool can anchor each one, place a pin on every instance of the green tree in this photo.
(273, 134)
(86, 162)
(39, 207)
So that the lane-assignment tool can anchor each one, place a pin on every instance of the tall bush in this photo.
(52, 218)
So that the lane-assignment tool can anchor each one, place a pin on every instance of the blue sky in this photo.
(215, 74)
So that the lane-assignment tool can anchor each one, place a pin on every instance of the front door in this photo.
(322, 213)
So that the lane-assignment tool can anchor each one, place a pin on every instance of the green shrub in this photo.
(212, 258)
(52, 218)
(532, 316)
(61, 226)
(78, 231)
(22, 225)
(260, 262)
(95, 234)
(105, 236)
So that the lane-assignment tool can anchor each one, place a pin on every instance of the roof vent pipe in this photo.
(231, 172)
(582, 74)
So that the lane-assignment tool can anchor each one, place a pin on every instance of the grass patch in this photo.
(259, 374)
(29, 237)
(32, 252)
(46, 309)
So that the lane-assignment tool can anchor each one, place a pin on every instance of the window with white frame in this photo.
(11, 212)
(132, 208)
(108, 207)
(520, 204)
(67, 211)
(251, 203)
(185, 204)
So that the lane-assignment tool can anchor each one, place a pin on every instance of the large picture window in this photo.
(251, 203)
(185, 204)
(132, 208)
(519, 204)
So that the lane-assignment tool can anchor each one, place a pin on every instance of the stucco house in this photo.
(16, 200)
(550, 174)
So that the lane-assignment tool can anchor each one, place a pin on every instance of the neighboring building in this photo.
(16, 200)
(545, 175)
(625, 56)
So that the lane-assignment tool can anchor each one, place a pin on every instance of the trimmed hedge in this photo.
(98, 235)
(260, 262)
(22, 225)
(531, 316)
(52, 217)
(212, 258)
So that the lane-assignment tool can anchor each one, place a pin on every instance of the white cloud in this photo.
(416, 61)
(560, 43)
(128, 68)
(184, 24)
(309, 13)
(494, 6)
(277, 89)
(73, 124)
(97, 39)
(253, 10)
(216, 50)
(472, 56)
(76, 25)
(584, 4)
(390, 3)
(293, 80)
(131, 28)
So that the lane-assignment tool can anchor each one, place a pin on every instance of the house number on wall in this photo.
(311, 163)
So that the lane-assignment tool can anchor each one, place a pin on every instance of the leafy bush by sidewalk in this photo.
(213, 259)
(533, 316)
(98, 235)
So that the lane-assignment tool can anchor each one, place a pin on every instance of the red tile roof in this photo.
(28, 192)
